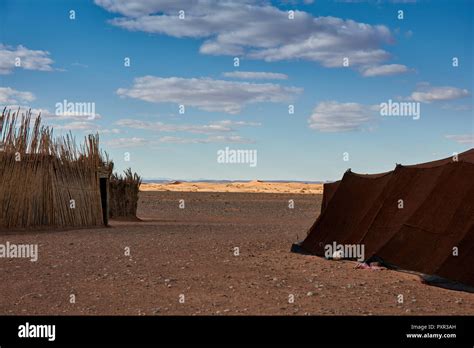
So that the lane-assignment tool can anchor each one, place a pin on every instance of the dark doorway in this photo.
(104, 199)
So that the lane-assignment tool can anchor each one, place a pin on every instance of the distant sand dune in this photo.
(255, 186)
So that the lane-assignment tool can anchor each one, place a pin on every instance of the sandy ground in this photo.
(255, 186)
(190, 252)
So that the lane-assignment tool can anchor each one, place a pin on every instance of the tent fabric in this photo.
(342, 217)
(418, 217)
(328, 191)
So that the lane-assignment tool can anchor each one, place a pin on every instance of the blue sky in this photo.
(283, 61)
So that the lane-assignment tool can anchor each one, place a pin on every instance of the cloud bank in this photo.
(257, 30)
(207, 94)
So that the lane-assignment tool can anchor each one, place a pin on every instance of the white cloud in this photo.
(332, 116)
(382, 70)
(211, 139)
(427, 94)
(136, 141)
(255, 75)
(9, 96)
(72, 115)
(127, 142)
(207, 94)
(257, 30)
(133, 8)
(462, 138)
(215, 127)
(14, 105)
(86, 127)
(29, 59)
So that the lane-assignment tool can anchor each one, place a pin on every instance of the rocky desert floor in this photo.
(185, 261)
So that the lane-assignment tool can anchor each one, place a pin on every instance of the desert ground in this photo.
(183, 261)
(254, 186)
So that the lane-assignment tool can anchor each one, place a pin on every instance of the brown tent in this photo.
(329, 190)
(418, 217)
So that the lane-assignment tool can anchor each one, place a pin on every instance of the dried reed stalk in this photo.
(124, 191)
(46, 180)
